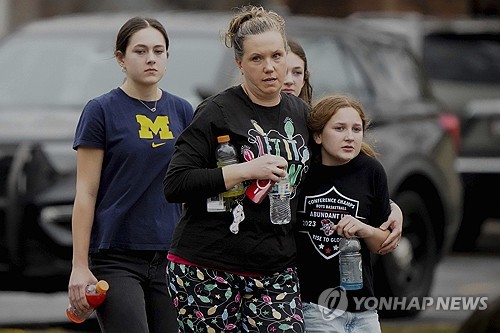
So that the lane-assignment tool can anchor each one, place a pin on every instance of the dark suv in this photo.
(415, 138)
(461, 57)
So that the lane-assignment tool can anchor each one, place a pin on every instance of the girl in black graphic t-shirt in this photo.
(346, 195)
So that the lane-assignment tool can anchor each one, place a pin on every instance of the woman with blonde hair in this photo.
(235, 270)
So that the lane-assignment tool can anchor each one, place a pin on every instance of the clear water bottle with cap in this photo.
(280, 211)
(351, 271)
(95, 294)
(226, 154)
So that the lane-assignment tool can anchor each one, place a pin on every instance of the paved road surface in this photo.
(472, 275)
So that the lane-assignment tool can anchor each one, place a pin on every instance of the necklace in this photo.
(153, 109)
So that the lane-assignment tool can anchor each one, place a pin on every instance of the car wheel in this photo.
(406, 274)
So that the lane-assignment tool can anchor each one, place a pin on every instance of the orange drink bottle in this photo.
(95, 295)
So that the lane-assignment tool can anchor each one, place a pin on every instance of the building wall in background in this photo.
(4, 16)
(341, 8)
(14, 13)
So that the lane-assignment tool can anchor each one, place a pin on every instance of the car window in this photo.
(57, 70)
(68, 70)
(481, 136)
(332, 69)
(194, 62)
(396, 69)
(463, 58)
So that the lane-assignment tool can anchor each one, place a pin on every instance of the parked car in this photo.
(460, 56)
(50, 69)
(415, 138)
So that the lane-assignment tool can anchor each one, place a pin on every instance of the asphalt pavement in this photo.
(472, 275)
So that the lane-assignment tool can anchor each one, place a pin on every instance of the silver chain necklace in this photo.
(153, 109)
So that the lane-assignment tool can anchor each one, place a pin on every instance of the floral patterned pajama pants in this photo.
(214, 301)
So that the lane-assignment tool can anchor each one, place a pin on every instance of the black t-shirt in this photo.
(358, 188)
(204, 237)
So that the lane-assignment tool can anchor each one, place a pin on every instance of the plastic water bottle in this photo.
(280, 211)
(351, 271)
(226, 154)
(95, 294)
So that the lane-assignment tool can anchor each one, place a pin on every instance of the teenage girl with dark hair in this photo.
(121, 220)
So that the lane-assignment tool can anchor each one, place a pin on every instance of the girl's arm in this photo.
(89, 164)
(395, 225)
(349, 227)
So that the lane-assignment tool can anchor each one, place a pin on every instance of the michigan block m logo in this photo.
(150, 128)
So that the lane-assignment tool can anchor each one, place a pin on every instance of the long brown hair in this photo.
(324, 109)
(307, 90)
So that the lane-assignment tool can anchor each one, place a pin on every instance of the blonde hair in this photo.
(328, 106)
(252, 20)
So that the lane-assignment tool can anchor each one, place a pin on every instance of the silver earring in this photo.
(124, 70)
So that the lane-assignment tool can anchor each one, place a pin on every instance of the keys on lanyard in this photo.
(238, 217)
